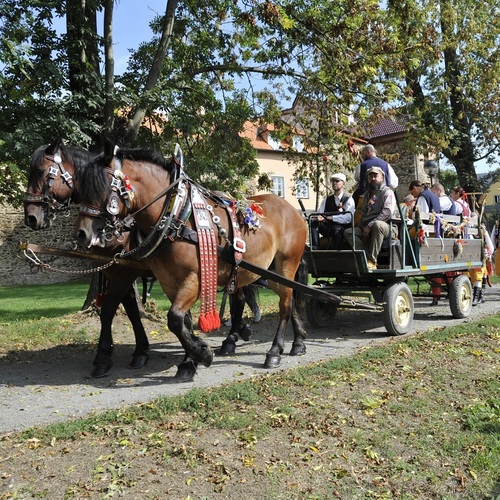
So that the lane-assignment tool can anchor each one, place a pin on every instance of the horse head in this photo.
(52, 182)
(109, 195)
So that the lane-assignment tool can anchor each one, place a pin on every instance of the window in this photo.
(298, 144)
(302, 188)
(278, 186)
(497, 198)
(274, 143)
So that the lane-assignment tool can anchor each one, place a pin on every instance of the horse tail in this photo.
(301, 276)
(252, 297)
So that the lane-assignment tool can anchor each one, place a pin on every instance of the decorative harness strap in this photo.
(239, 248)
(209, 315)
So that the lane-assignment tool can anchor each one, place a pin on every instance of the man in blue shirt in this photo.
(370, 159)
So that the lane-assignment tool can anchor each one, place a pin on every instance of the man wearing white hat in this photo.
(340, 209)
(379, 205)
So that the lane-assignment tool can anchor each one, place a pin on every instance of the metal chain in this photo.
(36, 262)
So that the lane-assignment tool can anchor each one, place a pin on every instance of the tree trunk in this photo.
(92, 291)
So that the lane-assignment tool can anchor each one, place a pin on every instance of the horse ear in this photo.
(52, 148)
(109, 149)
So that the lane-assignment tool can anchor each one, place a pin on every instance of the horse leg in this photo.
(251, 298)
(299, 334)
(140, 355)
(197, 351)
(273, 356)
(298, 305)
(237, 305)
(118, 282)
(103, 359)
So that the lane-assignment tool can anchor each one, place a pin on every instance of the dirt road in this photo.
(49, 386)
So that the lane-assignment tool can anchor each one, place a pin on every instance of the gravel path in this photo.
(50, 386)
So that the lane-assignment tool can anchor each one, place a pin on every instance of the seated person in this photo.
(333, 225)
(379, 205)
(446, 203)
(459, 196)
(427, 201)
(408, 206)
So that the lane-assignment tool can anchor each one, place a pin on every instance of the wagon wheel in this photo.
(460, 296)
(398, 308)
(320, 314)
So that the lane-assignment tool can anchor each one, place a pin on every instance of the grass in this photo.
(54, 307)
(25, 303)
(416, 418)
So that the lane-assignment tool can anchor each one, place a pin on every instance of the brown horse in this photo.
(141, 187)
(53, 183)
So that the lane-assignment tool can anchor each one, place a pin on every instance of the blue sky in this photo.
(131, 26)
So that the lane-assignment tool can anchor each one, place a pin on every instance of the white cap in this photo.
(375, 170)
(340, 177)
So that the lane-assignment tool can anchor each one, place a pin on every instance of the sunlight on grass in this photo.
(22, 303)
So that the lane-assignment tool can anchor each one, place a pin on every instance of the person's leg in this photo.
(476, 277)
(379, 231)
(337, 235)
(314, 234)
(358, 238)
(436, 290)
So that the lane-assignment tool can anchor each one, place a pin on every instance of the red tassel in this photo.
(216, 320)
(209, 321)
(204, 323)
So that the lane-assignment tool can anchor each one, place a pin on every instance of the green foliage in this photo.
(448, 178)
(434, 61)
(446, 56)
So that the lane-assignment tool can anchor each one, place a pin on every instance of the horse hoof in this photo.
(139, 361)
(207, 357)
(185, 372)
(272, 361)
(298, 350)
(245, 333)
(227, 348)
(100, 371)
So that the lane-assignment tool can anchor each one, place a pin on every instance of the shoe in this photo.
(371, 265)
(435, 302)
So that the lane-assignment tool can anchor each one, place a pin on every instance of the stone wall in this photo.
(14, 267)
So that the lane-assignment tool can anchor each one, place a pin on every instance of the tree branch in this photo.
(135, 121)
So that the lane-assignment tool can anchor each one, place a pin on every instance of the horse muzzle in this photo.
(88, 238)
(37, 219)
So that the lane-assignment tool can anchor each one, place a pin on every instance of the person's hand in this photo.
(366, 231)
(320, 218)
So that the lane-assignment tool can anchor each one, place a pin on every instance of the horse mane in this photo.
(38, 157)
(96, 181)
(145, 155)
(77, 156)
